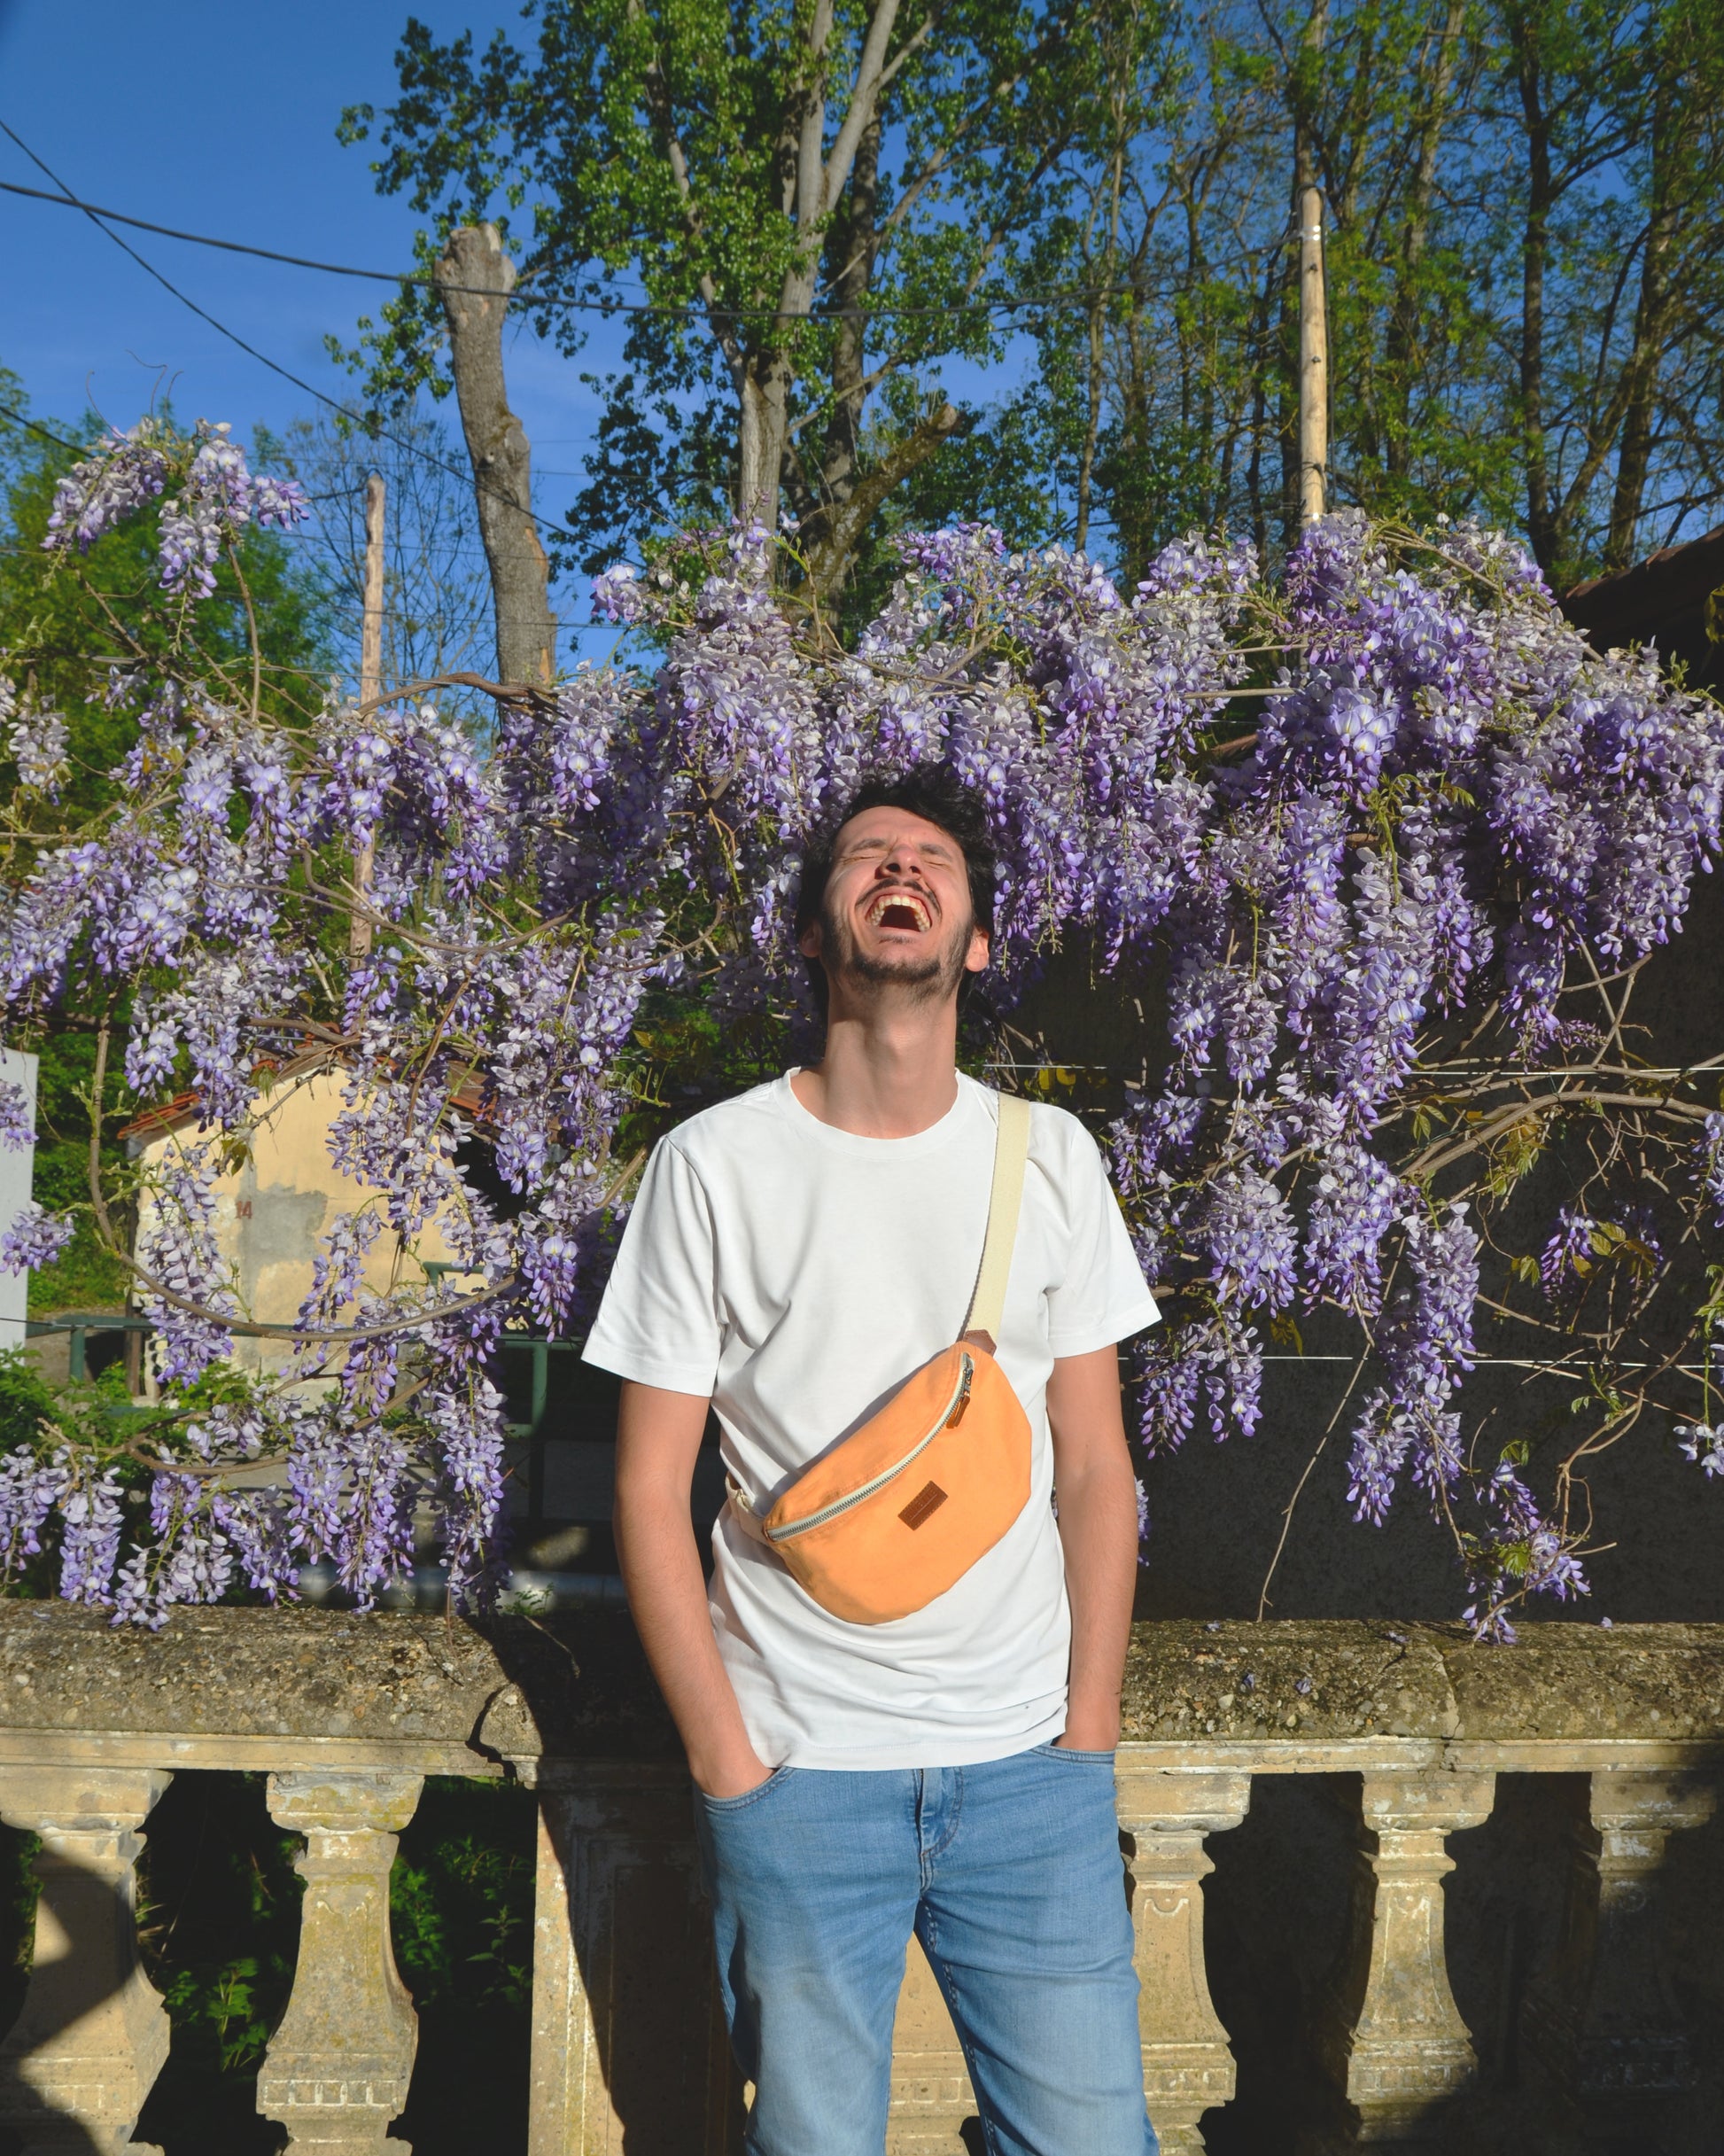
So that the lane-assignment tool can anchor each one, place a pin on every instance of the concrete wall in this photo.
(15, 1170)
(273, 1211)
(1216, 1511)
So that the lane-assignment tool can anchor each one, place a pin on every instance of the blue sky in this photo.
(219, 116)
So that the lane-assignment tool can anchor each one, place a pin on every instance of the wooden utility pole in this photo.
(370, 677)
(1313, 359)
(474, 280)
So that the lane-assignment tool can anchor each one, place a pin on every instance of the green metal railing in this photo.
(533, 1428)
(81, 1324)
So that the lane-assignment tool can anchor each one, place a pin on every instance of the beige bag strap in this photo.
(987, 1305)
(1010, 1152)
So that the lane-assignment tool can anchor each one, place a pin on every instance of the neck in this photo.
(890, 1068)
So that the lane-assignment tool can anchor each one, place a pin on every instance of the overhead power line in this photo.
(263, 359)
(1065, 296)
(301, 261)
(21, 419)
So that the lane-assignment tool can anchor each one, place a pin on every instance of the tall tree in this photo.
(819, 198)
(1526, 251)
(1525, 257)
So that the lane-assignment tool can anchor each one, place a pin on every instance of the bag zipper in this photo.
(952, 1412)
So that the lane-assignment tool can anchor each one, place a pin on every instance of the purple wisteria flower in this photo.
(1703, 1442)
(102, 490)
(1358, 1201)
(35, 1238)
(1569, 1256)
(218, 499)
(30, 1488)
(18, 1117)
(36, 740)
(503, 948)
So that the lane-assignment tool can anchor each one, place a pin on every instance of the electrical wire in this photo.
(358, 419)
(17, 418)
(67, 199)
(1073, 296)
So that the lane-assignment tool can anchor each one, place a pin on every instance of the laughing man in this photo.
(792, 1257)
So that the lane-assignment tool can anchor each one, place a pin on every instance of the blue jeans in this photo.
(1010, 1875)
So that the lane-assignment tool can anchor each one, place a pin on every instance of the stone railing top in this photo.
(1315, 1681)
(264, 1687)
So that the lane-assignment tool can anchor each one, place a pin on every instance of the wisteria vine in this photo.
(1391, 918)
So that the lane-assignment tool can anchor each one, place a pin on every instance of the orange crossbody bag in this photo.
(900, 1511)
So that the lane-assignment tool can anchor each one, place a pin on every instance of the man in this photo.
(792, 1257)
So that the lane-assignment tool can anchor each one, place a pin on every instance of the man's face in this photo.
(896, 912)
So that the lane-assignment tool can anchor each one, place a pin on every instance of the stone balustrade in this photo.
(1301, 1807)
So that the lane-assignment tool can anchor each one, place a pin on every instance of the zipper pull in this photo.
(956, 1414)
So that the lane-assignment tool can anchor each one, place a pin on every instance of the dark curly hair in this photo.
(938, 795)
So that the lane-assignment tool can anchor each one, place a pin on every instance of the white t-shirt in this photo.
(799, 1274)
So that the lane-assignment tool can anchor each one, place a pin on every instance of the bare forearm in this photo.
(661, 1565)
(658, 1435)
(1098, 1529)
(1098, 1499)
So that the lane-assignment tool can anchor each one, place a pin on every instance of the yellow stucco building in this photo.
(273, 1211)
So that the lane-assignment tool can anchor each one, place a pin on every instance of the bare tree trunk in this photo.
(1651, 321)
(1303, 97)
(836, 531)
(1130, 521)
(1402, 344)
(856, 243)
(1312, 359)
(760, 439)
(1535, 247)
(1101, 298)
(475, 278)
(1287, 400)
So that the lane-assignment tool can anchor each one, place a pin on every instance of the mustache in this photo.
(931, 976)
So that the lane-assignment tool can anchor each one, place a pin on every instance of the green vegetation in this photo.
(219, 1922)
(51, 623)
(1525, 239)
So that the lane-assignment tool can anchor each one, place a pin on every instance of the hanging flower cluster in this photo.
(218, 498)
(1386, 920)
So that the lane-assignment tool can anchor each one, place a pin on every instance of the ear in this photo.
(809, 942)
(975, 958)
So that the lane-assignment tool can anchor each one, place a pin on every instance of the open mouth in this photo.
(898, 909)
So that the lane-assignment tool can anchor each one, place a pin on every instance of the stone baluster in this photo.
(1607, 2025)
(1390, 2037)
(81, 2057)
(629, 2045)
(338, 2069)
(1188, 2064)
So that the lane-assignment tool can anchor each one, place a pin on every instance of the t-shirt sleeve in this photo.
(660, 1321)
(1103, 1297)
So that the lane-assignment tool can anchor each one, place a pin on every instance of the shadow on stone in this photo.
(631, 2048)
(67, 1909)
(1580, 1948)
(219, 1930)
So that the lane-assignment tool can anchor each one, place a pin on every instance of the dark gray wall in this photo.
(1216, 1510)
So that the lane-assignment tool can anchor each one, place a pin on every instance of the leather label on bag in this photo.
(922, 1507)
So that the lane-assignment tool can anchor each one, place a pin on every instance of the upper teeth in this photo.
(882, 905)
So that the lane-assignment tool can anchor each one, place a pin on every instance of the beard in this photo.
(930, 975)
